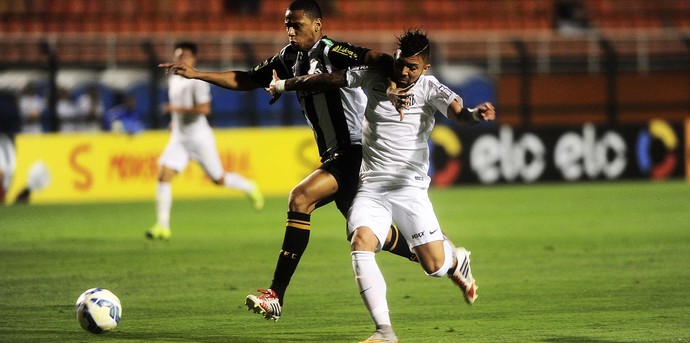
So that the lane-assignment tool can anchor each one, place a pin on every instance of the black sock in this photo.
(294, 244)
(398, 245)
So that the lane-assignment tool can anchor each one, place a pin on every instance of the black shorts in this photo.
(344, 166)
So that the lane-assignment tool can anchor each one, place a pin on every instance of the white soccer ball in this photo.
(98, 310)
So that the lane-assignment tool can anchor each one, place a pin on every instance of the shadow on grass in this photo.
(571, 339)
(261, 337)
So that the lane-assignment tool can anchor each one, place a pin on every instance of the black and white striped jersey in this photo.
(335, 116)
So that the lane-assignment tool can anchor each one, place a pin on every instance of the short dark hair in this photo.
(310, 7)
(414, 42)
(187, 46)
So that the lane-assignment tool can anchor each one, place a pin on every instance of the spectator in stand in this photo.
(31, 107)
(90, 108)
(124, 118)
(570, 17)
(67, 112)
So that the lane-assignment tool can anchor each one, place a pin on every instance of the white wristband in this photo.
(475, 115)
(280, 86)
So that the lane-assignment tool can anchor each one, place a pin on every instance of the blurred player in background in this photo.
(335, 117)
(192, 138)
(8, 163)
(394, 175)
(10, 124)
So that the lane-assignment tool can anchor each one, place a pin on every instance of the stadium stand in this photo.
(503, 39)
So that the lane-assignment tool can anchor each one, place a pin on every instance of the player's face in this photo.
(302, 31)
(185, 56)
(407, 70)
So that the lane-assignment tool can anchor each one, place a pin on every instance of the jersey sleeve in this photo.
(262, 73)
(344, 55)
(362, 76)
(202, 93)
(440, 96)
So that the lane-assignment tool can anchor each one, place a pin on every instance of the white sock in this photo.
(163, 203)
(236, 181)
(372, 286)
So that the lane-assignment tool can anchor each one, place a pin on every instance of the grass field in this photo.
(590, 263)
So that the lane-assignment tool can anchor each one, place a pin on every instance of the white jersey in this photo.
(8, 161)
(188, 93)
(396, 153)
(191, 137)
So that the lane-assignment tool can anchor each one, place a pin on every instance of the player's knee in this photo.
(364, 240)
(299, 201)
(166, 174)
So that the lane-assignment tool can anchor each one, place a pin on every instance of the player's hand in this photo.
(485, 112)
(272, 88)
(399, 97)
(178, 68)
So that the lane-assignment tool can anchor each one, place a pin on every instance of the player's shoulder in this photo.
(426, 79)
(430, 82)
(288, 51)
(346, 49)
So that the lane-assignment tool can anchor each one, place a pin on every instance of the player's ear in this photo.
(317, 25)
(426, 68)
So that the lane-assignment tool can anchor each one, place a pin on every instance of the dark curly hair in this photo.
(414, 42)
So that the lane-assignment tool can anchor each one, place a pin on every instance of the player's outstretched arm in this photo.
(232, 79)
(464, 115)
(313, 82)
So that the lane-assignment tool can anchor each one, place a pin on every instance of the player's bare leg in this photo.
(161, 230)
(250, 189)
(302, 201)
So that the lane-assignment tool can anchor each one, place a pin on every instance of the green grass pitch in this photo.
(586, 262)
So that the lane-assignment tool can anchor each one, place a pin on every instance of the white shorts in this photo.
(7, 161)
(409, 207)
(200, 148)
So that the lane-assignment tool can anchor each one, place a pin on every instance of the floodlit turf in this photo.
(590, 263)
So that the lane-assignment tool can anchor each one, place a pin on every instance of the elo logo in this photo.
(663, 132)
(577, 155)
(508, 157)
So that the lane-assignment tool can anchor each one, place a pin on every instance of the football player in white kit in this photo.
(191, 138)
(8, 163)
(394, 174)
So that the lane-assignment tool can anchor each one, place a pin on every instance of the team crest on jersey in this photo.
(413, 100)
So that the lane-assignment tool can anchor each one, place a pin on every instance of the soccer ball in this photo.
(98, 310)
